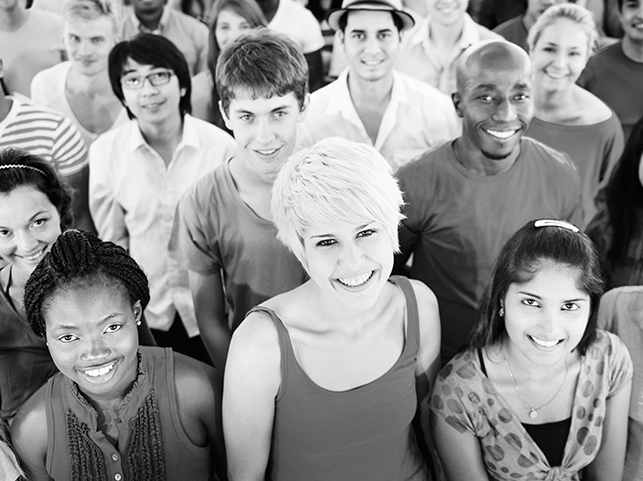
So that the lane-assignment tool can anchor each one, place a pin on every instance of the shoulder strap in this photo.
(412, 315)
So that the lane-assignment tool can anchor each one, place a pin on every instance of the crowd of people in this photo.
(270, 239)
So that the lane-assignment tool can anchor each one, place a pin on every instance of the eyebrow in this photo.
(324, 236)
(249, 112)
(71, 327)
(531, 294)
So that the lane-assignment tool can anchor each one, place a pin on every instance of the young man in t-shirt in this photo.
(223, 230)
(464, 199)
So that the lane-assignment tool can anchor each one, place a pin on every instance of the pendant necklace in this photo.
(533, 412)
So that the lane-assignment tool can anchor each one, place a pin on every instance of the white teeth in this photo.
(372, 62)
(544, 343)
(34, 257)
(355, 281)
(267, 152)
(100, 371)
(501, 134)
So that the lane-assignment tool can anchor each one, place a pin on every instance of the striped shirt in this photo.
(44, 132)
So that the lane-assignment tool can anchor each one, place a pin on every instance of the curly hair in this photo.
(79, 258)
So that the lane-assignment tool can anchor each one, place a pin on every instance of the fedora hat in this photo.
(394, 6)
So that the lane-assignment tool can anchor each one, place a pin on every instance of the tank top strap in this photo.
(412, 343)
(288, 361)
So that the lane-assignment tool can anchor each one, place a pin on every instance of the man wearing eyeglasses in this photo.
(139, 171)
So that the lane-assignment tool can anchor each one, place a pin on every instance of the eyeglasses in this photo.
(136, 82)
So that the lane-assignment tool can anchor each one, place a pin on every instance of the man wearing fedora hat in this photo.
(369, 101)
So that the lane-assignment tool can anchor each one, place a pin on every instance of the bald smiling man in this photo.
(465, 198)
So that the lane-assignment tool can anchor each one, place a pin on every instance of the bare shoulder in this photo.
(593, 109)
(29, 430)
(192, 377)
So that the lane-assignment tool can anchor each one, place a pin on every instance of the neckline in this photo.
(515, 421)
(232, 187)
(400, 358)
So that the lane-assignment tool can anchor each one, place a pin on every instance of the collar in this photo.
(470, 33)
(165, 17)
(189, 136)
(341, 101)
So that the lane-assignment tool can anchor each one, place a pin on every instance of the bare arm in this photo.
(29, 437)
(610, 459)
(198, 388)
(459, 453)
(252, 379)
(209, 306)
(427, 366)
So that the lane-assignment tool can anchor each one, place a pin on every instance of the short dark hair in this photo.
(620, 5)
(343, 21)
(19, 167)
(150, 49)
(261, 63)
(520, 260)
(78, 259)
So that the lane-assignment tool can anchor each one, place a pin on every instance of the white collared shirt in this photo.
(133, 197)
(417, 55)
(418, 117)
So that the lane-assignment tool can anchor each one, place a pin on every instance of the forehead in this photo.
(89, 27)
(229, 15)
(23, 201)
(244, 101)
(369, 20)
(551, 275)
(495, 72)
(133, 67)
(564, 30)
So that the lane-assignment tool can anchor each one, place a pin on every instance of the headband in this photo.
(22, 166)
(556, 223)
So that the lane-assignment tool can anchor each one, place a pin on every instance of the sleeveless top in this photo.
(364, 433)
(152, 445)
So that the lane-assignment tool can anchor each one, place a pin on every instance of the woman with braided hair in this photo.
(35, 207)
(115, 410)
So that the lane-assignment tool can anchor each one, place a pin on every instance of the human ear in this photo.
(224, 116)
(456, 99)
(137, 309)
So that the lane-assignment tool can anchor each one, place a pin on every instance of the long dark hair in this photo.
(520, 260)
(624, 197)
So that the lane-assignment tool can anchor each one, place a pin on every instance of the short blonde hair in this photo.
(336, 180)
(89, 10)
(570, 11)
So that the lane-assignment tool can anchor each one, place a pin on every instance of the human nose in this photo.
(95, 349)
(265, 133)
(25, 242)
(371, 44)
(505, 111)
(351, 254)
(549, 321)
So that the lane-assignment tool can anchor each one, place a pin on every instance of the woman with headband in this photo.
(540, 394)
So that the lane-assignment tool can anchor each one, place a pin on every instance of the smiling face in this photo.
(29, 225)
(371, 42)
(560, 55)
(546, 317)
(229, 27)
(151, 104)
(496, 107)
(631, 16)
(92, 337)
(349, 262)
(446, 12)
(265, 130)
(88, 43)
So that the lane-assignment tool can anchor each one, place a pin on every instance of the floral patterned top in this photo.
(465, 398)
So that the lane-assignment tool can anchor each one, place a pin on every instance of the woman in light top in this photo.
(540, 393)
(79, 88)
(331, 380)
(567, 117)
(229, 20)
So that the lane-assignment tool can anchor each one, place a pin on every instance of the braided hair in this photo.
(79, 258)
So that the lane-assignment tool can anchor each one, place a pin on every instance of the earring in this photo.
(138, 323)
(501, 312)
